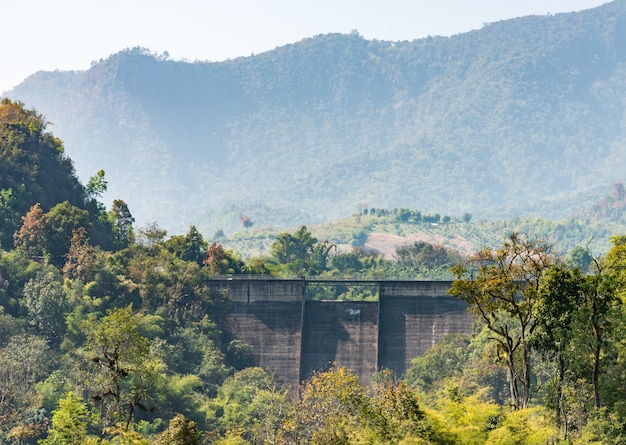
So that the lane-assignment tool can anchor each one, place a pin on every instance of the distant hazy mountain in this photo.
(521, 117)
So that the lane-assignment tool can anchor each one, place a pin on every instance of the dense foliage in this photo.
(109, 334)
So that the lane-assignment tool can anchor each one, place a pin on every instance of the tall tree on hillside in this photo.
(190, 247)
(122, 221)
(80, 261)
(26, 360)
(96, 186)
(301, 252)
(299, 246)
(118, 369)
(46, 302)
(501, 288)
(220, 261)
(560, 319)
(63, 219)
(32, 236)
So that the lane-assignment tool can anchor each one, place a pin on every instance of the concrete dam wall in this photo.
(293, 336)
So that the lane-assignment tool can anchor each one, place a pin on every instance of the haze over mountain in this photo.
(521, 117)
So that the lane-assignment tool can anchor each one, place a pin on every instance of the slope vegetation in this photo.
(523, 117)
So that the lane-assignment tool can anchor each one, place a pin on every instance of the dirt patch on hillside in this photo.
(386, 243)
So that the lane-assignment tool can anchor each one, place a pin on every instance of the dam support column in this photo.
(414, 315)
(267, 315)
(341, 332)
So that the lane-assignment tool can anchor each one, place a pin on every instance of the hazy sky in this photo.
(70, 34)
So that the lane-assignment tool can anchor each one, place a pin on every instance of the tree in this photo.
(301, 252)
(122, 222)
(151, 236)
(63, 219)
(96, 186)
(445, 359)
(191, 247)
(118, 367)
(69, 422)
(250, 404)
(32, 237)
(327, 411)
(180, 431)
(502, 289)
(558, 312)
(581, 258)
(26, 360)
(526, 426)
(11, 203)
(426, 255)
(346, 263)
(599, 291)
(299, 246)
(81, 258)
(393, 413)
(34, 160)
(220, 261)
(246, 221)
(45, 299)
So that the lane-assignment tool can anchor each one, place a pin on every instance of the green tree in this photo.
(346, 264)
(425, 255)
(180, 431)
(122, 222)
(250, 404)
(46, 301)
(118, 368)
(465, 419)
(560, 327)
(33, 159)
(63, 219)
(524, 427)
(502, 290)
(69, 422)
(220, 261)
(151, 237)
(445, 359)
(301, 253)
(580, 258)
(394, 413)
(599, 298)
(96, 186)
(26, 360)
(299, 246)
(328, 409)
(191, 247)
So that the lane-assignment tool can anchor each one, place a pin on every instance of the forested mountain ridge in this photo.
(522, 117)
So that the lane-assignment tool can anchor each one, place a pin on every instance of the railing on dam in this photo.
(293, 334)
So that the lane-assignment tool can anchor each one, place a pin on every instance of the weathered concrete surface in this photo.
(344, 332)
(267, 315)
(260, 289)
(413, 317)
(274, 331)
(293, 337)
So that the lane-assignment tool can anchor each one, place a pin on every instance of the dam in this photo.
(293, 335)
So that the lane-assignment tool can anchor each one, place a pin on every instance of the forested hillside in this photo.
(523, 117)
(110, 334)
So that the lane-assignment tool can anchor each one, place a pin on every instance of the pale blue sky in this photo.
(69, 34)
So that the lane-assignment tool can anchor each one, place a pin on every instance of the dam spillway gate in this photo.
(293, 336)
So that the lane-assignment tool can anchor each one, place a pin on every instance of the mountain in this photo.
(524, 117)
